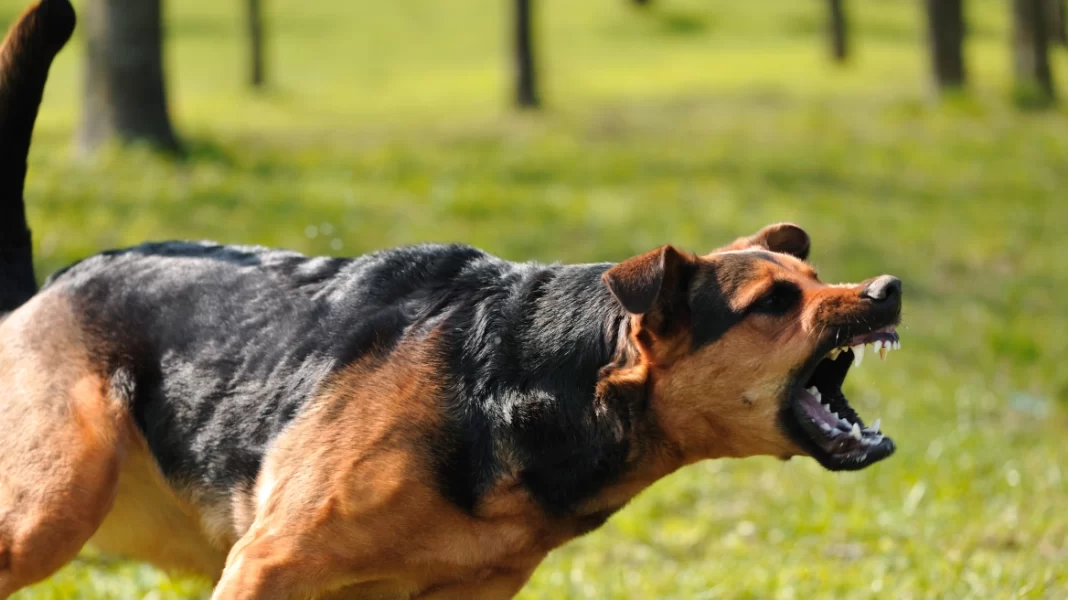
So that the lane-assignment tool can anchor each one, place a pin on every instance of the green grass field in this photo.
(690, 123)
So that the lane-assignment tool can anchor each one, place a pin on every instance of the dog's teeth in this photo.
(858, 354)
(827, 407)
(883, 351)
(855, 432)
(878, 345)
(836, 416)
(812, 390)
(897, 344)
(875, 426)
(833, 354)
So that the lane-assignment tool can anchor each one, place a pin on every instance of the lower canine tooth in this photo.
(858, 354)
(855, 432)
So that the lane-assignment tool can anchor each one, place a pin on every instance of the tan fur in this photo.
(63, 440)
(376, 523)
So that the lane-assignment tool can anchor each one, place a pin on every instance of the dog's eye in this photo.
(780, 298)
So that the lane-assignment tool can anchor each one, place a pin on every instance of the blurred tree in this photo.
(1058, 21)
(257, 78)
(945, 30)
(124, 94)
(838, 28)
(1030, 49)
(526, 88)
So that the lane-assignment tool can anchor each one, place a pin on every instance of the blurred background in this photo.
(922, 138)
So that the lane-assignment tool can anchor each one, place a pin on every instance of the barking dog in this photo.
(421, 422)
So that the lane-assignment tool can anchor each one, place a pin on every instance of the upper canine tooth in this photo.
(855, 432)
(858, 354)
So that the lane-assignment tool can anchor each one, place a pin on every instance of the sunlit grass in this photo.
(388, 124)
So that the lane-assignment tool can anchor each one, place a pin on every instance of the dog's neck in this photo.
(602, 397)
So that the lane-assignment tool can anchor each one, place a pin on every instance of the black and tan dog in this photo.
(422, 422)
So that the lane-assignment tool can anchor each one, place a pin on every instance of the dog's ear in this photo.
(786, 238)
(649, 280)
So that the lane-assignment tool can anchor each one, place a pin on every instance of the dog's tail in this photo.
(25, 57)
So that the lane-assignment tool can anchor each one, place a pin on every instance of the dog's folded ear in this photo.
(643, 282)
(786, 238)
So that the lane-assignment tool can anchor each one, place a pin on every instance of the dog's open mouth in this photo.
(838, 438)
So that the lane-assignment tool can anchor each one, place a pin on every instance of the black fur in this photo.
(220, 347)
(525, 350)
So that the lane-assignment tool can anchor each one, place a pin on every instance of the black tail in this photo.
(25, 57)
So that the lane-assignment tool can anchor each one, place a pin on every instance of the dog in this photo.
(419, 422)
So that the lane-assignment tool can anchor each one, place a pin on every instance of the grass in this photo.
(689, 123)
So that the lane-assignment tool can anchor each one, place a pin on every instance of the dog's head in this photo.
(746, 349)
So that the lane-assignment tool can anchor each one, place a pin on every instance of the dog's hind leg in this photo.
(63, 437)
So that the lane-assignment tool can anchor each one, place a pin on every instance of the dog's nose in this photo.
(885, 288)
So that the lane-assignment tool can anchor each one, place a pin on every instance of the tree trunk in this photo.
(945, 30)
(124, 95)
(256, 76)
(1058, 21)
(526, 89)
(838, 29)
(1030, 48)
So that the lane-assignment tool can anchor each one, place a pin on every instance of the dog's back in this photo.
(214, 349)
